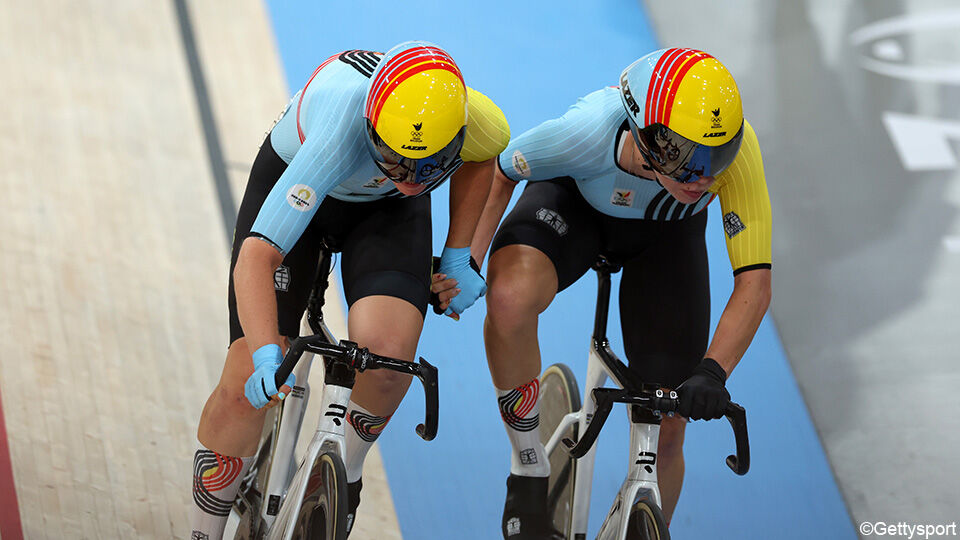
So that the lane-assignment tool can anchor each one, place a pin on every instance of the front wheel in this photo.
(646, 522)
(559, 396)
(245, 513)
(323, 514)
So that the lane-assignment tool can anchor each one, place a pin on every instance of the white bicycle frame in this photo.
(287, 482)
(286, 488)
(641, 480)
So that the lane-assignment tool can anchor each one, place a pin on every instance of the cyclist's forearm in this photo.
(496, 205)
(469, 188)
(256, 297)
(741, 318)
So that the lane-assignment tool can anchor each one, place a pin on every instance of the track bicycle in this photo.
(636, 513)
(280, 500)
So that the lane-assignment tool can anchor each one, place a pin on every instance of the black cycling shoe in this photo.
(353, 501)
(525, 514)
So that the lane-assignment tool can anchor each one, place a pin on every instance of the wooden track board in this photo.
(114, 258)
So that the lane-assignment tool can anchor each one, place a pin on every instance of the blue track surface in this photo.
(534, 59)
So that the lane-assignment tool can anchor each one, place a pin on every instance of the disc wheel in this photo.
(323, 514)
(646, 522)
(559, 396)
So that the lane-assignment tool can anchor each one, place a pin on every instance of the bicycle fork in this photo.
(289, 421)
(596, 376)
(641, 480)
(328, 436)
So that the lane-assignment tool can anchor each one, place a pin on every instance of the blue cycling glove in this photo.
(455, 263)
(261, 385)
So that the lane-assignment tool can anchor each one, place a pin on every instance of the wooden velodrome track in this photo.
(114, 253)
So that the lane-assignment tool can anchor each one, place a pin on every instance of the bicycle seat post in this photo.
(604, 268)
(320, 283)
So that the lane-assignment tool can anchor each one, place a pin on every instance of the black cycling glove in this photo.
(703, 396)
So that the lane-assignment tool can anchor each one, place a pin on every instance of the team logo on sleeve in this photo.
(281, 278)
(622, 197)
(732, 224)
(520, 164)
(302, 197)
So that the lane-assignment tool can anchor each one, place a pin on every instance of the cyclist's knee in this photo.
(518, 292)
(229, 393)
(672, 431)
(389, 343)
(384, 381)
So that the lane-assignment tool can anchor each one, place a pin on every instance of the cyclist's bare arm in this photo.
(741, 318)
(256, 297)
(496, 205)
(469, 188)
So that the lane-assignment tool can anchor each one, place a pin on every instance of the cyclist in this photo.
(627, 171)
(347, 165)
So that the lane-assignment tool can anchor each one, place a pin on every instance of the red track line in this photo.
(10, 528)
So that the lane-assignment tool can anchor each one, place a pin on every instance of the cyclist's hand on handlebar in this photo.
(455, 263)
(260, 388)
(443, 289)
(704, 396)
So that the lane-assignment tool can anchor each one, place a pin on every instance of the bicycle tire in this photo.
(559, 396)
(323, 514)
(647, 522)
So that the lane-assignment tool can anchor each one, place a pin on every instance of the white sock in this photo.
(366, 429)
(520, 411)
(216, 480)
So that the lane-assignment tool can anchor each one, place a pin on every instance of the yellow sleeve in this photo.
(747, 221)
(487, 130)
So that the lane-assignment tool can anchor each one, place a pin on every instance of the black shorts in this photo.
(386, 247)
(665, 288)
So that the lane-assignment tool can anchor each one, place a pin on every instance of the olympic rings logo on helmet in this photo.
(684, 110)
(416, 113)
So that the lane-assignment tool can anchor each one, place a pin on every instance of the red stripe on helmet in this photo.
(666, 80)
(382, 85)
(384, 72)
(304, 91)
(428, 65)
(657, 78)
(688, 62)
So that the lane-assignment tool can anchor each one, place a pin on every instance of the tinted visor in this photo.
(417, 171)
(674, 155)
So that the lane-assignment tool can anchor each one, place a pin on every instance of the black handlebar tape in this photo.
(428, 377)
(604, 399)
(289, 362)
(739, 463)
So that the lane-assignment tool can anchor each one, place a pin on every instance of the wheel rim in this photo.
(643, 524)
(557, 400)
(316, 520)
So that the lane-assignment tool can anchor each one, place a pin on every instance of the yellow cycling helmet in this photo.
(685, 113)
(416, 113)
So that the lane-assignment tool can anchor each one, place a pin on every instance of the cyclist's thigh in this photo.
(554, 218)
(665, 303)
(388, 252)
(294, 278)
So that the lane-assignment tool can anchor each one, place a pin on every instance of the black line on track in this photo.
(218, 168)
